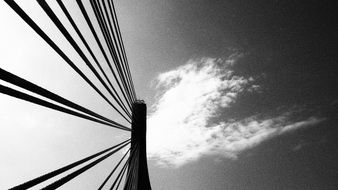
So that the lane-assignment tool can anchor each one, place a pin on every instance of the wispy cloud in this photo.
(181, 126)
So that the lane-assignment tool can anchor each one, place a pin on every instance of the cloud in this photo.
(181, 127)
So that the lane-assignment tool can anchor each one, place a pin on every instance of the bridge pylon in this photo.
(137, 177)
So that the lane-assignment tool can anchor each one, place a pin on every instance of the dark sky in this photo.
(293, 42)
(291, 47)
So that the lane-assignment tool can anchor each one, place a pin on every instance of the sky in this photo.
(240, 94)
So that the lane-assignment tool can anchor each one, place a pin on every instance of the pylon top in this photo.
(140, 101)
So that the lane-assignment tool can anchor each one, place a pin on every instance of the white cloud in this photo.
(180, 128)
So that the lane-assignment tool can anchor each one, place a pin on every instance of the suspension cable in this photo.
(132, 172)
(104, 21)
(74, 174)
(15, 80)
(128, 162)
(89, 23)
(70, 39)
(50, 42)
(116, 23)
(70, 19)
(29, 98)
(112, 172)
(121, 177)
(120, 173)
(107, 38)
(54, 173)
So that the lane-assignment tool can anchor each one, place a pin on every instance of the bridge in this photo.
(132, 167)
